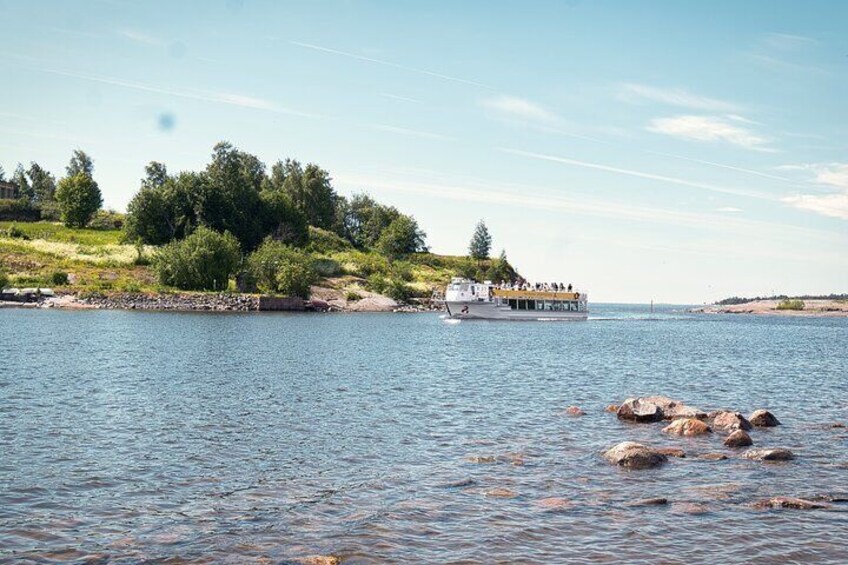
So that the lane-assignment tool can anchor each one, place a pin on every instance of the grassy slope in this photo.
(97, 260)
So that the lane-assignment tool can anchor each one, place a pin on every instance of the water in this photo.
(128, 437)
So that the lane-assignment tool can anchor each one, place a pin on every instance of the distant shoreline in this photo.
(816, 308)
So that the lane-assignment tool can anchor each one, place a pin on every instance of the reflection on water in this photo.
(262, 438)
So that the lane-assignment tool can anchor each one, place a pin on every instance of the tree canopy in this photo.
(79, 199)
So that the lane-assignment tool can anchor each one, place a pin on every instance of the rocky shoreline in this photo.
(812, 308)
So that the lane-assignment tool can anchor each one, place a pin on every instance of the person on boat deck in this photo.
(569, 287)
(556, 287)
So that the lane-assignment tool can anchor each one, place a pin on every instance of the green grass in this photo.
(50, 231)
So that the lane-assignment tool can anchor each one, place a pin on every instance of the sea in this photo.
(157, 437)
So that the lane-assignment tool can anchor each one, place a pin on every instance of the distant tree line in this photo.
(75, 199)
(740, 300)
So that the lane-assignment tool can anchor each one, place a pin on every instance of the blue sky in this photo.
(672, 151)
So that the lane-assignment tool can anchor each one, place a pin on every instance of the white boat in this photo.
(467, 299)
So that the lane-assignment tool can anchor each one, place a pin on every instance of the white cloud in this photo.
(832, 205)
(410, 132)
(709, 128)
(673, 97)
(144, 38)
(729, 210)
(519, 108)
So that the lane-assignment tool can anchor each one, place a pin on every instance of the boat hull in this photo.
(491, 311)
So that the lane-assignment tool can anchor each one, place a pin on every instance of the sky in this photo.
(679, 152)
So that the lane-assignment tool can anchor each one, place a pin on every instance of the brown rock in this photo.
(649, 502)
(501, 493)
(481, 459)
(713, 456)
(688, 508)
(728, 421)
(555, 504)
(738, 438)
(574, 411)
(672, 409)
(319, 560)
(778, 454)
(638, 410)
(611, 408)
(632, 455)
(671, 452)
(763, 419)
(687, 427)
(791, 502)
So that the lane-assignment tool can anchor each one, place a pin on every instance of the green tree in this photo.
(2, 174)
(202, 261)
(79, 199)
(278, 268)
(310, 190)
(81, 163)
(500, 270)
(160, 213)
(42, 183)
(481, 242)
(281, 220)
(19, 178)
(401, 237)
(155, 175)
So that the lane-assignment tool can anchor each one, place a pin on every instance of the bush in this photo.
(20, 210)
(202, 261)
(59, 278)
(352, 296)
(4, 280)
(50, 211)
(393, 288)
(791, 304)
(325, 267)
(325, 241)
(278, 268)
(14, 232)
(107, 220)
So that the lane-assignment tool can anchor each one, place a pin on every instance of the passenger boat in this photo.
(467, 299)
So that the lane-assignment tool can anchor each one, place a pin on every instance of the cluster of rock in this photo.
(687, 421)
(177, 302)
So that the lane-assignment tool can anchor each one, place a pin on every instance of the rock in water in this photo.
(791, 502)
(728, 421)
(318, 560)
(574, 411)
(649, 502)
(611, 408)
(632, 455)
(555, 504)
(778, 454)
(671, 452)
(687, 427)
(738, 438)
(638, 410)
(763, 419)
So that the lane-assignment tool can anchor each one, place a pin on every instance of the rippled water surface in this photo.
(129, 437)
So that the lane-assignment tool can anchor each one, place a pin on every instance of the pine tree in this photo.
(481, 242)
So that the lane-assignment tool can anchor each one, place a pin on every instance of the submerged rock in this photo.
(713, 456)
(555, 503)
(649, 502)
(611, 408)
(687, 427)
(791, 502)
(501, 492)
(777, 454)
(688, 508)
(763, 419)
(481, 459)
(671, 452)
(574, 411)
(319, 560)
(738, 438)
(632, 455)
(728, 421)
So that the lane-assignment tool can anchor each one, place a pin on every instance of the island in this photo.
(834, 305)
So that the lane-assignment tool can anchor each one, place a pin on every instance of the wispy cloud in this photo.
(673, 97)
(401, 98)
(390, 64)
(720, 165)
(410, 132)
(789, 41)
(519, 108)
(143, 38)
(729, 210)
(710, 128)
(787, 53)
(228, 98)
(827, 175)
(638, 174)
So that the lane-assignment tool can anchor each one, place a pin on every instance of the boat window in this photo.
(513, 303)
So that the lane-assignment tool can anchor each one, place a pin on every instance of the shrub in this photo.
(20, 210)
(202, 261)
(278, 268)
(107, 220)
(352, 296)
(4, 280)
(325, 241)
(50, 211)
(791, 304)
(15, 232)
(325, 267)
(59, 278)
(393, 288)
(377, 283)
(401, 237)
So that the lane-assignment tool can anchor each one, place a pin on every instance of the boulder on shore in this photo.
(777, 454)
(728, 421)
(632, 455)
(656, 408)
(687, 427)
(763, 419)
(739, 438)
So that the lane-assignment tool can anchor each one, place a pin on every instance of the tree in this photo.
(2, 174)
(19, 178)
(155, 175)
(42, 183)
(500, 270)
(160, 213)
(79, 199)
(202, 261)
(310, 190)
(481, 242)
(81, 163)
(401, 237)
